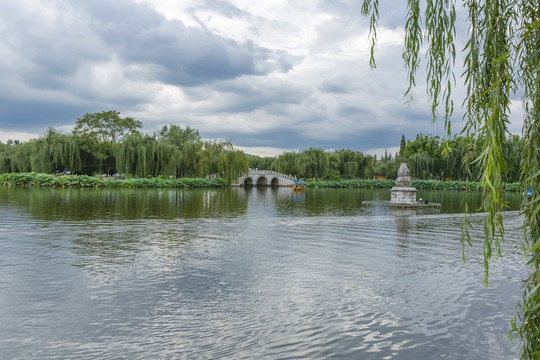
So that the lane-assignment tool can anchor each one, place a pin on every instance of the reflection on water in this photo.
(248, 273)
(403, 224)
(82, 204)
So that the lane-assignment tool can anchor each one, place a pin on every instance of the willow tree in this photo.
(422, 165)
(5, 158)
(285, 163)
(55, 152)
(232, 164)
(98, 133)
(502, 59)
(197, 159)
(145, 155)
(51, 152)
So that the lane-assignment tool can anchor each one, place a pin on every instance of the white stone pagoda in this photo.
(403, 193)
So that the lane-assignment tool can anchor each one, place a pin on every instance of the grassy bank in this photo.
(37, 179)
(419, 184)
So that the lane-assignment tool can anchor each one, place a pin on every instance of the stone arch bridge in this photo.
(264, 178)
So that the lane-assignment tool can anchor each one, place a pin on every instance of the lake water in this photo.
(249, 274)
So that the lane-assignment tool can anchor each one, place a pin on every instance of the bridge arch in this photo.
(248, 182)
(261, 181)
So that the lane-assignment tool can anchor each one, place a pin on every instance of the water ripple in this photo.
(280, 286)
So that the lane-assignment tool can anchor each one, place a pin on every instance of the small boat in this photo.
(299, 185)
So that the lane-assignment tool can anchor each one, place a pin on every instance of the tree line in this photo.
(428, 157)
(107, 143)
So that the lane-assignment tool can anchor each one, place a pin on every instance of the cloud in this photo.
(275, 75)
(63, 59)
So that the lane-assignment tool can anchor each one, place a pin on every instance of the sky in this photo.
(270, 76)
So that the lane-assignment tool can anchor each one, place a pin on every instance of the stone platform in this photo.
(394, 205)
(403, 195)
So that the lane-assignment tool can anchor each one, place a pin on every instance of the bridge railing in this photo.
(253, 172)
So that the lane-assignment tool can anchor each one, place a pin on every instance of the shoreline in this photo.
(86, 181)
(51, 180)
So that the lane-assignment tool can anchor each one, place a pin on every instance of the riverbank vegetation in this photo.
(417, 183)
(40, 179)
(48, 180)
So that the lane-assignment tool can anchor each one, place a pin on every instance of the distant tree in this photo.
(231, 164)
(98, 132)
(146, 156)
(5, 158)
(106, 126)
(178, 136)
(261, 163)
(402, 145)
(13, 142)
(50, 152)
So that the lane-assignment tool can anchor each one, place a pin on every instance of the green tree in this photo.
(145, 155)
(261, 163)
(231, 164)
(502, 54)
(402, 145)
(98, 132)
(178, 136)
(6, 151)
(106, 126)
(50, 152)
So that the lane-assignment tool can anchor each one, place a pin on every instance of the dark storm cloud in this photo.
(52, 50)
(309, 85)
(134, 34)
(352, 111)
(176, 54)
(18, 115)
(293, 138)
(245, 97)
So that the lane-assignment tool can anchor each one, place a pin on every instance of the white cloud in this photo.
(263, 151)
(6, 135)
(269, 75)
(381, 151)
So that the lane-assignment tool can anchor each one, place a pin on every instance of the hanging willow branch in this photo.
(502, 54)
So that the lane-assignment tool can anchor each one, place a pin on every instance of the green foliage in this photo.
(98, 132)
(6, 153)
(48, 180)
(145, 156)
(417, 183)
(232, 164)
(106, 126)
(422, 165)
(402, 146)
(318, 163)
(261, 163)
(427, 157)
(353, 183)
(177, 136)
(50, 152)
